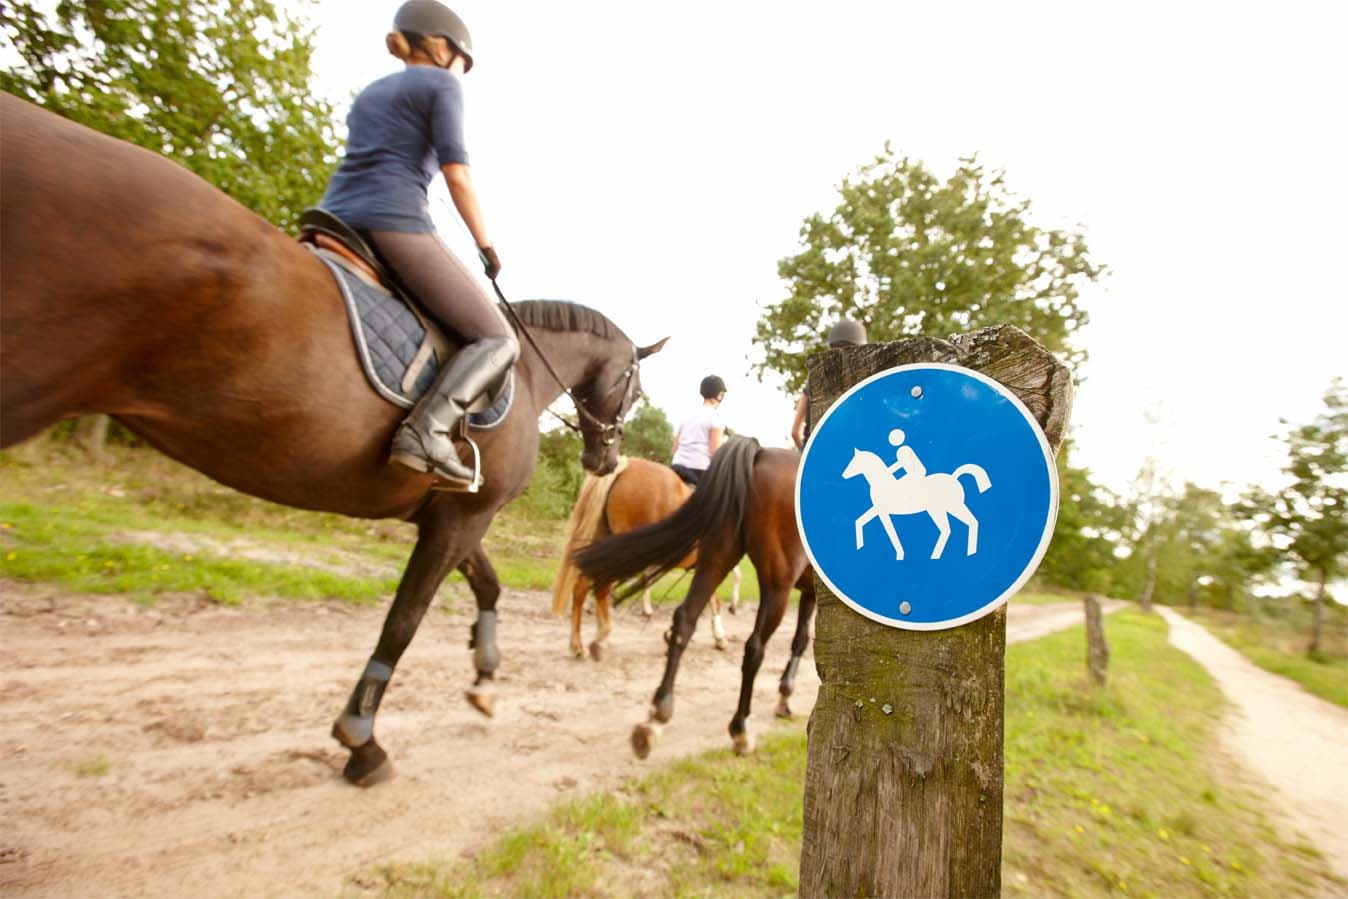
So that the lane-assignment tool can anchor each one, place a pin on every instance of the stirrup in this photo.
(473, 486)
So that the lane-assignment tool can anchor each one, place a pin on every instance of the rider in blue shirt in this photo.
(402, 129)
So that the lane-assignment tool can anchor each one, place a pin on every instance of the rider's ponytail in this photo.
(398, 45)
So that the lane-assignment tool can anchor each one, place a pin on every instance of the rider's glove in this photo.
(491, 263)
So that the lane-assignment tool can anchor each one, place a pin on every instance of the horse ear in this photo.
(644, 351)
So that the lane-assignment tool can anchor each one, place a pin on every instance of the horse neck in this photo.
(573, 355)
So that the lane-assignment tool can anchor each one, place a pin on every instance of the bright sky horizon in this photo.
(656, 163)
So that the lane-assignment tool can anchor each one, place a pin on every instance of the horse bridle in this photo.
(608, 431)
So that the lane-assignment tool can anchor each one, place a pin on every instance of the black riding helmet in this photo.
(711, 387)
(847, 333)
(430, 18)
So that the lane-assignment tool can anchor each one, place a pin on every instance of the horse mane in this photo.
(561, 315)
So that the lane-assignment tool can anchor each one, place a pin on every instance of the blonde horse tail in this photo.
(581, 528)
(980, 476)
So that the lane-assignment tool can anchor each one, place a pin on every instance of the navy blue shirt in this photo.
(401, 129)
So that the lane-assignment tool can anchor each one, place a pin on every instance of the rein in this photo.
(607, 430)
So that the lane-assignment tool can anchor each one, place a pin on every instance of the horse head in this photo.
(855, 467)
(612, 392)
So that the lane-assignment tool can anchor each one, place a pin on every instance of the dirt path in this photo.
(183, 750)
(1294, 741)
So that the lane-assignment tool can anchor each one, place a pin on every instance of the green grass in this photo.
(1277, 643)
(89, 526)
(1116, 792)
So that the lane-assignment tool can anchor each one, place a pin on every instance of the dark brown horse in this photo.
(132, 287)
(745, 504)
(637, 493)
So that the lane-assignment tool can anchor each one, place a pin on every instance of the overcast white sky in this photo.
(655, 161)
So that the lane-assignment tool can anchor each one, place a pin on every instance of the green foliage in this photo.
(222, 86)
(1306, 519)
(648, 433)
(1091, 520)
(906, 254)
(557, 478)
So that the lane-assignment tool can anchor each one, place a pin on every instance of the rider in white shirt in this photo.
(701, 434)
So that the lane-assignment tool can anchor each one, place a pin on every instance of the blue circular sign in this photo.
(926, 496)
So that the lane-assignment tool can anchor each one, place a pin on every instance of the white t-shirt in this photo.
(695, 438)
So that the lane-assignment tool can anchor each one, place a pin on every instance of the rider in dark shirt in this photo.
(402, 129)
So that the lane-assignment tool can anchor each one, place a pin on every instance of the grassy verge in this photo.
(139, 524)
(1115, 792)
(1277, 643)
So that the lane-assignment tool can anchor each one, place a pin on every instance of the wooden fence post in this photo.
(903, 787)
(1097, 647)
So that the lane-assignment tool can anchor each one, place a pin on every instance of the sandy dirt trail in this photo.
(1295, 742)
(184, 750)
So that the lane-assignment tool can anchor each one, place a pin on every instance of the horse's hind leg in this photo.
(963, 514)
(437, 550)
(578, 594)
(602, 596)
(717, 628)
(735, 590)
(486, 586)
(799, 643)
(772, 602)
(646, 609)
(943, 525)
(711, 570)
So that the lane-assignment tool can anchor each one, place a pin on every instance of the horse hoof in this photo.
(368, 765)
(783, 708)
(644, 738)
(648, 613)
(744, 744)
(720, 644)
(482, 700)
(578, 653)
(597, 651)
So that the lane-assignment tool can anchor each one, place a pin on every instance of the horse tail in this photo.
(715, 511)
(581, 527)
(980, 476)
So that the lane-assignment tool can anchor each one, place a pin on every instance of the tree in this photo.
(1088, 534)
(906, 254)
(222, 86)
(1305, 520)
(648, 433)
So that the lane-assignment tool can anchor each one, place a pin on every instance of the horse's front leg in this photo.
(439, 547)
(486, 586)
(735, 590)
(717, 628)
(865, 520)
(893, 536)
(705, 579)
(603, 595)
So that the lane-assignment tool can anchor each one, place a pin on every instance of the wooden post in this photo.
(903, 787)
(1097, 647)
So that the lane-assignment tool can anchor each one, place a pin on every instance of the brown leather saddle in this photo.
(327, 232)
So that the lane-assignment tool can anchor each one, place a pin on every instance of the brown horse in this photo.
(133, 287)
(636, 493)
(745, 503)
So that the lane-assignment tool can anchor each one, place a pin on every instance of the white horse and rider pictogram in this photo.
(939, 495)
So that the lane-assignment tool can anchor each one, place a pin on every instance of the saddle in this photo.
(400, 349)
(327, 232)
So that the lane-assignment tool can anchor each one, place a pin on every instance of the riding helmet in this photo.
(711, 387)
(847, 333)
(434, 19)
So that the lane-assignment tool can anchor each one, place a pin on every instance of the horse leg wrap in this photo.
(789, 676)
(483, 643)
(355, 726)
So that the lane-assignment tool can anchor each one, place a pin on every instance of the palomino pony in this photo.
(745, 503)
(133, 287)
(636, 493)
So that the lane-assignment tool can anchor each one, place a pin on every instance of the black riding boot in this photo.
(424, 441)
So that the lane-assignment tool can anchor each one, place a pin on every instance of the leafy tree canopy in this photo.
(648, 433)
(222, 86)
(906, 254)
